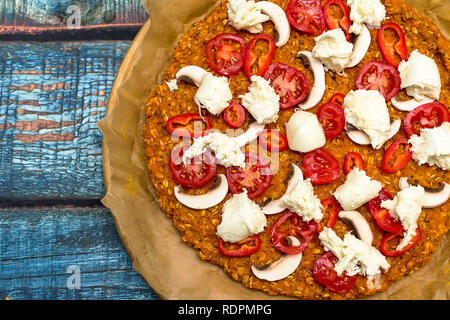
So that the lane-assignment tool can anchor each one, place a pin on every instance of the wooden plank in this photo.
(51, 97)
(38, 246)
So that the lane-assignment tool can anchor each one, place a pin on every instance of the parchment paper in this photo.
(171, 267)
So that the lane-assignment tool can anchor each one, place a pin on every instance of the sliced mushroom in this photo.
(276, 206)
(408, 105)
(359, 224)
(360, 47)
(434, 197)
(281, 268)
(251, 134)
(191, 74)
(214, 196)
(360, 137)
(279, 19)
(318, 89)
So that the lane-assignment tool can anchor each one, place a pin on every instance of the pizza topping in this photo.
(273, 140)
(332, 118)
(395, 252)
(243, 14)
(304, 132)
(278, 17)
(260, 52)
(359, 224)
(214, 94)
(434, 197)
(243, 248)
(337, 98)
(337, 15)
(409, 105)
(330, 210)
(333, 50)
(392, 43)
(324, 273)
(426, 116)
(381, 215)
(396, 157)
(353, 160)
(234, 115)
(225, 54)
(362, 138)
(172, 84)
(379, 76)
(360, 47)
(318, 89)
(252, 133)
(321, 166)
(371, 12)
(306, 16)
(188, 125)
(191, 74)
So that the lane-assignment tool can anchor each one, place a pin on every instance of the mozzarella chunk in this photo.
(367, 111)
(432, 146)
(246, 15)
(333, 50)
(420, 76)
(371, 12)
(304, 132)
(213, 94)
(241, 217)
(172, 84)
(357, 189)
(261, 100)
(406, 207)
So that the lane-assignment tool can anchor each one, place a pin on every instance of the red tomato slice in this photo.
(396, 156)
(289, 83)
(234, 115)
(188, 125)
(392, 43)
(259, 55)
(321, 166)
(225, 53)
(273, 140)
(391, 251)
(243, 248)
(337, 15)
(332, 118)
(196, 173)
(330, 210)
(306, 16)
(379, 76)
(337, 98)
(352, 160)
(382, 216)
(428, 115)
(324, 273)
(290, 224)
(255, 177)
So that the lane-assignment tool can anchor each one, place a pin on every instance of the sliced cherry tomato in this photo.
(289, 83)
(352, 160)
(306, 16)
(255, 177)
(379, 76)
(332, 118)
(337, 15)
(321, 166)
(290, 224)
(324, 273)
(273, 140)
(196, 173)
(234, 115)
(260, 52)
(381, 215)
(389, 251)
(392, 43)
(330, 210)
(428, 115)
(396, 156)
(243, 248)
(188, 125)
(225, 53)
(337, 98)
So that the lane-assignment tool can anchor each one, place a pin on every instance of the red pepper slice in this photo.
(428, 115)
(225, 53)
(379, 76)
(306, 16)
(330, 210)
(324, 273)
(273, 140)
(396, 156)
(290, 224)
(243, 248)
(337, 15)
(392, 43)
(352, 160)
(321, 166)
(381, 215)
(332, 118)
(390, 251)
(188, 125)
(234, 115)
(260, 52)
(337, 98)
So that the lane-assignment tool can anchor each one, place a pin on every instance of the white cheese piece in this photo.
(432, 146)
(241, 217)
(420, 76)
(357, 189)
(406, 207)
(172, 84)
(367, 111)
(333, 50)
(246, 15)
(302, 200)
(304, 132)
(261, 101)
(214, 93)
(371, 12)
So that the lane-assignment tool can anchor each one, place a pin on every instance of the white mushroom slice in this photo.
(360, 47)
(408, 105)
(279, 19)
(359, 225)
(204, 201)
(276, 206)
(281, 268)
(318, 89)
(434, 197)
(362, 138)
(250, 135)
(191, 74)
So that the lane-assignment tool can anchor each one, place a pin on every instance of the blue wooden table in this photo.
(56, 239)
